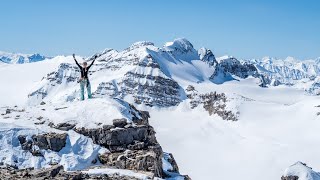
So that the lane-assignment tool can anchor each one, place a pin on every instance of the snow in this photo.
(77, 154)
(121, 172)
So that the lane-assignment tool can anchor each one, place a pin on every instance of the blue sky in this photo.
(242, 28)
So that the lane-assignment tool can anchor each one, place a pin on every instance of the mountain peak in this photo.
(141, 44)
(179, 44)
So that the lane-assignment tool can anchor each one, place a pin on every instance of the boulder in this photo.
(120, 122)
(52, 141)
(62, 126)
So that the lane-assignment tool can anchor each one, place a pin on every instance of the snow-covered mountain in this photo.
(289, 71)
(221, 118)
(300, 171)
(17, 58)
(145, 74)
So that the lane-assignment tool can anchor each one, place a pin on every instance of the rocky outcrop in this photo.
(52, 141)
(212, 102)
(142, 159)
(57, 172)
(62, 126)
(120, 139)
(206, 55)
(131, 146)
(229, 67)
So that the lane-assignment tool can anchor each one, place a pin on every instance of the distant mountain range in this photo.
(17, 58)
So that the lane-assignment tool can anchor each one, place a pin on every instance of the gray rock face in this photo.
(117, 140)
(156, 91)
(213, 102)
(120, 122)
(52, 141)
(141, 160)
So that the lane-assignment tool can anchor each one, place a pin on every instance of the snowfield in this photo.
(277, 126)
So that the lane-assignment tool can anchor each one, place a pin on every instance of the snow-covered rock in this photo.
(300, 171)
(207, 56)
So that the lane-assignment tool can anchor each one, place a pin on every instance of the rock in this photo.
(119, 139)
(39, 123)
(8, 111)
(94, 161)
(42, 103)
(62, 126)
(231, 66)
(52, 141)
(289, 178)
(47, 173)
(119, 122)
(149, 160)
(207, 56)
(169, 157)
(214, 103)
(107, 127)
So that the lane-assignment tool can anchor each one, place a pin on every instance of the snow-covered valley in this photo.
(248, 127)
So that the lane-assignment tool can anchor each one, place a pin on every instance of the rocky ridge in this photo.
(130, 144)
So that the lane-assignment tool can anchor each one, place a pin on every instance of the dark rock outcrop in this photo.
(289, 178)
(148, 160)
(231, 66)
(118, 140)
(119, 122)
(52, 141)
(212, 102)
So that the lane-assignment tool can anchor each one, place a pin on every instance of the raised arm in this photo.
(91, 63)
(76, 61)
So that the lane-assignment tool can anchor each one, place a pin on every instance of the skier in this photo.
(84, 81)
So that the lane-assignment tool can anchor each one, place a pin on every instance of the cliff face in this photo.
(117, 142)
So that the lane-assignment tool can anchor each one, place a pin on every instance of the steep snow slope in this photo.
(17, 58)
